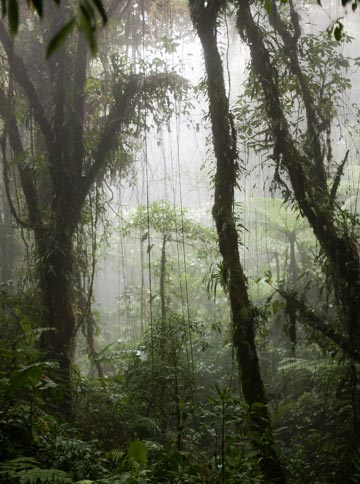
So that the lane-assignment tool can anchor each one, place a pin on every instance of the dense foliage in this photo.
(229, 353)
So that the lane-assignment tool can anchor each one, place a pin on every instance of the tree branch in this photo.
(337, 178)
(291, 49)
(114, 6)
(138, 88)
(60, 64)
(26, 176)
(13, 210)
(310, 317)
(77, 104)
(22, 78)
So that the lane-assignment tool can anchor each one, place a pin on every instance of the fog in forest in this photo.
(179, 227)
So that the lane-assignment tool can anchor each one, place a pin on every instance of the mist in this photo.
(179, 260)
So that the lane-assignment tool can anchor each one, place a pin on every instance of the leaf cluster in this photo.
(85, 19)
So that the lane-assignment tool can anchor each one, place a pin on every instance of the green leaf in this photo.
(257, 406)
(100, 7)
(19, 158)
(13, 13)
(60, 37)
(85, 25)
(26, 326)
(268, 6)
(338, 31)
(17, 465)
(137, 451)
(277, 306)
(36, 475)
(28, 376)
(115, 455)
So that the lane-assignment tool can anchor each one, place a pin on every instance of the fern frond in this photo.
(44, 476)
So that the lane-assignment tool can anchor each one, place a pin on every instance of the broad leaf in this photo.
(29, 376)
(85, 25)
(101, 10)
(60, 37)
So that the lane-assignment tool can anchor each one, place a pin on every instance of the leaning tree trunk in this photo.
(306, 172)
(243, 313)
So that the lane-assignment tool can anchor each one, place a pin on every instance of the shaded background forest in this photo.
(179, 261)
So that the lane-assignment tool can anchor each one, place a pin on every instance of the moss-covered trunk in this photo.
(204, 17)
(58, 342)
(54, 243)
(306, 171)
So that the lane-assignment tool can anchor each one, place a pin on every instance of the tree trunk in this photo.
(7, 239)
(243, 313)
(55, 275)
